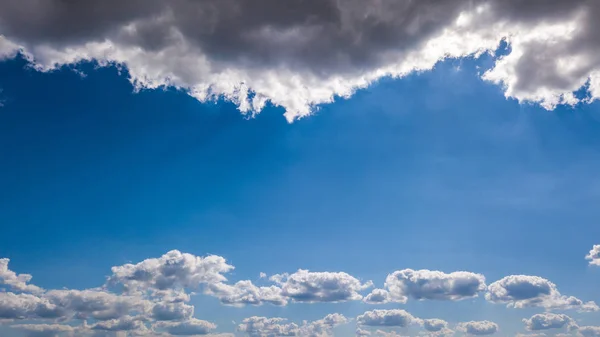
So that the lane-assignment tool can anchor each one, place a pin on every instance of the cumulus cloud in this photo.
(304, 53)
(307, 286)
(14, 281)
(594, 256)
(173, 270)
(589, 331)
(548, 320)
(391, 318)
(377, 296)
(521, 291)
(190, 327)
(478, 328)
(266, 327)
(433, 285)
(244, 292)
(434, 324)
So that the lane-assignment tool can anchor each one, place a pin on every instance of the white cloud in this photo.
(391, 318)
(548, 320)
(173, 270)
(16, 282)
(589, 331)
(594, 256)
(377, 296)
(521, 291)
(301, 58)
(267, 327)
(478, 328)
(434, 324)
(244, 292)
(306, 286)
(190, 327)
(264, 327)
(433, 285)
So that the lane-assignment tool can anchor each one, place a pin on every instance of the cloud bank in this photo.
(303, 53)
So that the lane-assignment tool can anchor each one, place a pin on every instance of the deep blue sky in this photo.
(436, 170)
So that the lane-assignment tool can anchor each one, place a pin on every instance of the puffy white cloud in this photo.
(392, 318)
(434, 324)
(433, 285)
(521, 291)
(125, 323)
(306, 286)
(173, 270)
(27, 306)
(190, 327)
(322, 327)
(548, 320)
(10, 279)
(594, 256)
(478, 328)
(540, 334)
(377, 296)
(264, 327)
(305, 53)
(589, 331)
(172, 311)
(362, 332)
(244, 292)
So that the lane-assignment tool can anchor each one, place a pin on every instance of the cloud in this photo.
(44, 330)
(125, 323)
(263, 326)
(173, 270)
(521, 291)
(391, 318)
(377, 296)
(434, 324)
(594, 256)
(16, 282)
(478, 328)
(27, 306)
(306, 286)
(361, 332)
(266, 327)
(304, 53)
(244, 292)
(190, 327)
(589, 331)
(433, 285)
(547, 320)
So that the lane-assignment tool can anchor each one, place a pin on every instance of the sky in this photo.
(319, 168)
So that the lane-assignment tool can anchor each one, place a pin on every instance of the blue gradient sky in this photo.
(437, 170)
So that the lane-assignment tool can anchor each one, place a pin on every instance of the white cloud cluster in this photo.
(478, 328)
(306, 286)
(306, 53)
(14, 282)
(432, 285)
(594, 256)
(267, 327)
(589, 331)
(152, 298)
(549, 320)
(521, 291)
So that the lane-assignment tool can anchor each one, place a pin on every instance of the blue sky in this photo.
(463, 189)
(434, 171)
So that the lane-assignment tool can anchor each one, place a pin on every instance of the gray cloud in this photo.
(594, 256)
(434, 324)
(302, 53)
(44, 330)
(521, 291)
(377, 296)
(433, 285)
(478, 328)
(548, 320)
